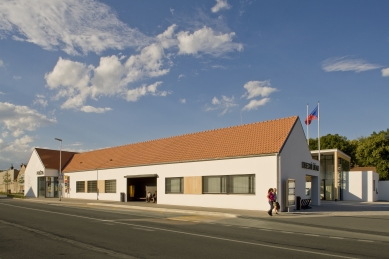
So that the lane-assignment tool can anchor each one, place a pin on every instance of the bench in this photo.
(305, 204)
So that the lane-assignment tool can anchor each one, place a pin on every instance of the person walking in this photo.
(275, 203)
(270, 198)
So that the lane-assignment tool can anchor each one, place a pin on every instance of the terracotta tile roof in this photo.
(50, 158)
(244, 140)
(370, 168)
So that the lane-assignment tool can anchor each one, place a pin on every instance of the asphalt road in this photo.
(45, 230)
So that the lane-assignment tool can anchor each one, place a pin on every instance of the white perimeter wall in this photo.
(30, 176)
(359, 186)
(295, 152)
(383, 190)
(264, 168)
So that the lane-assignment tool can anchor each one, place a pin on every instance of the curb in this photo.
(205, 213)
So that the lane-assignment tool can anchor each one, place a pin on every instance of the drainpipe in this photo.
(280, 191)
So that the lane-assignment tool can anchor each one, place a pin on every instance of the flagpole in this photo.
(318, 127)
(307, 127)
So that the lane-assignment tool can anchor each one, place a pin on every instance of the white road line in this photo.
(144, 229)
(73, 242)
(312, 235)
(227, 225)
(287, 232)
(336, 237)
(361, 240)
(191, 234)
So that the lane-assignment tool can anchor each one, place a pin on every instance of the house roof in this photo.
(50, 158)
(371, 168)
(239, 141)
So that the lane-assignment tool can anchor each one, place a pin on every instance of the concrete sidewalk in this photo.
(327, 208)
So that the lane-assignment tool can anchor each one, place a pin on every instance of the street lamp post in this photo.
(97, 177)
(60, 173)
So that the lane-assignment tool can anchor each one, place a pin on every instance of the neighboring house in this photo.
(41, 173)
(7, 179)
(226, 168)
(18, 185)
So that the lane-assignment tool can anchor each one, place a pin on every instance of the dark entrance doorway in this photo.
(139, 185)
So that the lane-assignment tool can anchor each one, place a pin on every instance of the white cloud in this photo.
(181, 76)
(207, 41)
(220, 4)
(254, 104)
(17, 77)
(134, 95)
(183, 101)
(172, 11)
(89, 109)
(18, 119)
(225, 104)
(16, 151)
(1, 63)
(40, 100)
(77, 82)
(385, 72)
(70, 25)
(258, 88)
(1, 93)
(344, 64)
(5, 134)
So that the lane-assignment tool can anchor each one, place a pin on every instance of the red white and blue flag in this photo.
(312, 116)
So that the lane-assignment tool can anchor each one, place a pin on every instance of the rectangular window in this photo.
(215, 184)
(92, 186)
(175, 185)
(242, 184)
(110, 186)
(80, 186)
(229, 184)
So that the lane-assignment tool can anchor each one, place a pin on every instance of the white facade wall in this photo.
(294, 152)
(383, 190)
(30, 176)
(264, 168)
(360, 186)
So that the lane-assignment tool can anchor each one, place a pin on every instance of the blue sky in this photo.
(106, 73)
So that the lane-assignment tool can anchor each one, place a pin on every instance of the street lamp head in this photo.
(58, 139)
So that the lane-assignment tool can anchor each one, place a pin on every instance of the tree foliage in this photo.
(330, 141)
(374, 151)
(365, 151)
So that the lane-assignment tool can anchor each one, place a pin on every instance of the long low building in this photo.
(224, 168)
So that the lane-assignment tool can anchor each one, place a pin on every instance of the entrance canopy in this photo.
(141, 176)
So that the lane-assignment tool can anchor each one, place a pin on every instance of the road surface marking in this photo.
(144, 229)
(337, 237)
(188, 233)
(73, 242)
(361, 240)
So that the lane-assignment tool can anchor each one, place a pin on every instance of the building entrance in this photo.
(138, 186)
(48, 187)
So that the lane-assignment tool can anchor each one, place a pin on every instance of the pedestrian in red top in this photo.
(270, 199)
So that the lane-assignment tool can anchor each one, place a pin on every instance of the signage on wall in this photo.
(39, 172)
(311, 166)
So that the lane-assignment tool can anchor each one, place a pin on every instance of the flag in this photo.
(312, 116)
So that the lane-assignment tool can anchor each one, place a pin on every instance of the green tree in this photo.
(331, 141)
(7, 180)
(374, 151)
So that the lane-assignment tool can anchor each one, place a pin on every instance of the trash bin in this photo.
(122, 197)
(298, 202)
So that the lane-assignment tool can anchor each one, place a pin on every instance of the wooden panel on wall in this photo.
(86, 186)
(193, 185)
(101, 186)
